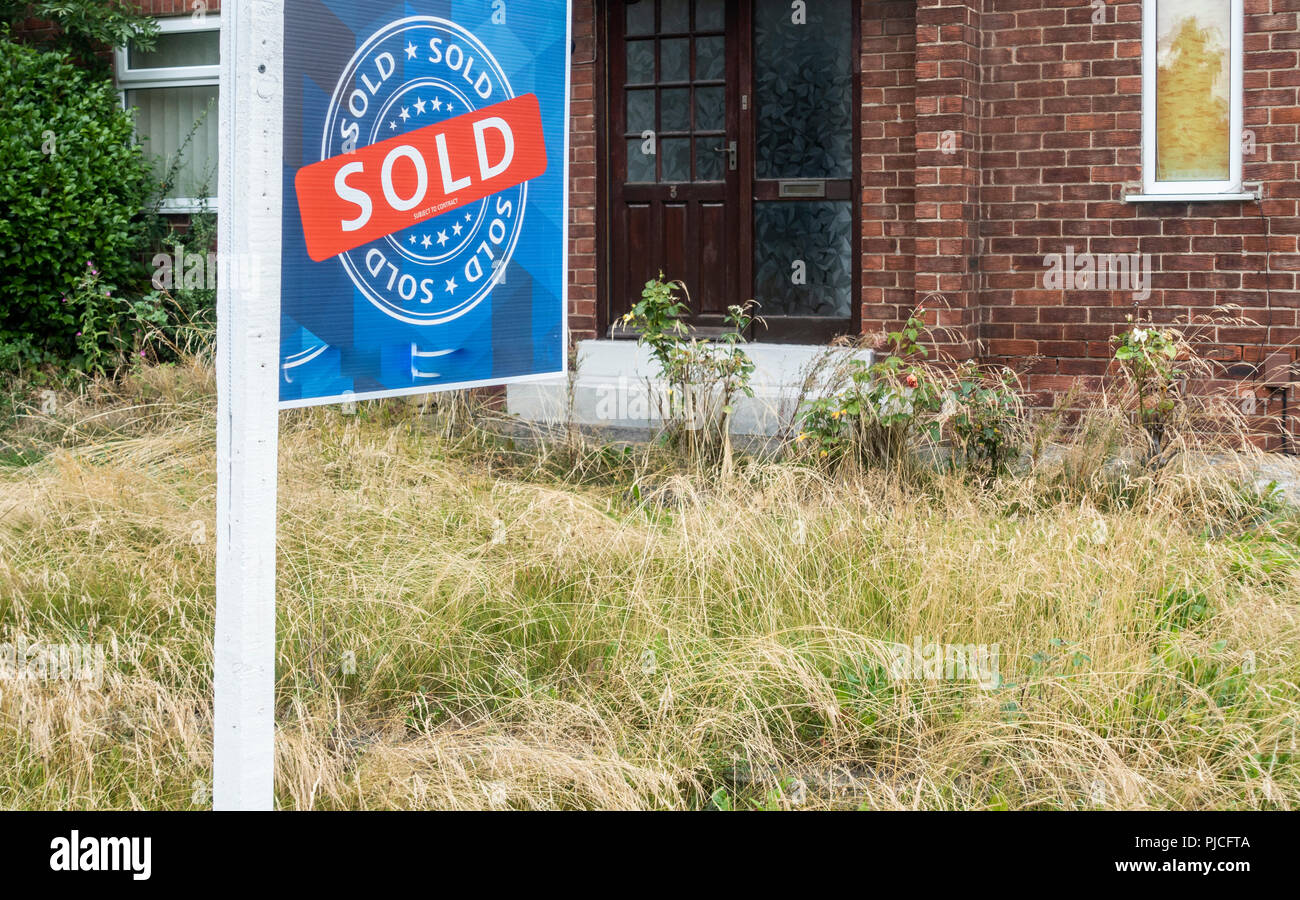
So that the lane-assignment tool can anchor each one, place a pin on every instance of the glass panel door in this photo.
(675, 180)
(804, 115)
(732, 134)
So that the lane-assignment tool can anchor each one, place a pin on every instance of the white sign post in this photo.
(248, 358)
(506, 332)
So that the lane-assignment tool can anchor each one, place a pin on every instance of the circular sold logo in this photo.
(417, 72)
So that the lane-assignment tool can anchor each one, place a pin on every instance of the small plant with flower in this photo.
(112, 330)
(1149, 358)
(876, 418)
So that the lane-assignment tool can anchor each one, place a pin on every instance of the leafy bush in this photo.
(84, 27)
(703, 377)
(73, 185)
(114, 327)
(985, 416)
(1149, 358)
(875, 419)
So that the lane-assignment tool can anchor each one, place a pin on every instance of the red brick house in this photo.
(1037, 163)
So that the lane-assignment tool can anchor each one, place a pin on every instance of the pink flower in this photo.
(911, 381)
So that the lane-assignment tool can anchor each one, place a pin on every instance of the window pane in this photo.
(641, 111)
(804, 90)
(640, 62)
(177, 49)
(710, 15)
(641, 17)
(640, 162)
(1193, 81)
(710, 59)
(710, 109)
(675, 110)
(675, 17)
(675, 157)
(802, 253)
(164, 120)
(675, 55)
(708, 159)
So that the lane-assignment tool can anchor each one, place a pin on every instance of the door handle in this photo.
(730, 149)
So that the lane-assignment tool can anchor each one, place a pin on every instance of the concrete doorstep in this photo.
(619, 386)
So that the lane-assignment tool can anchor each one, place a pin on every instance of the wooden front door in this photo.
(732, 167)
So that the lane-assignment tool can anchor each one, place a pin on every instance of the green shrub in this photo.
(73, 185)
(985, 416)
(83, 28)
(703, 378)
(1149, 358)
(883, 410)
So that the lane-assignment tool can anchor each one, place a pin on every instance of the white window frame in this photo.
(1191, 190)
(129, 79)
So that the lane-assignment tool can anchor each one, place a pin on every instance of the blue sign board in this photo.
(425, 196)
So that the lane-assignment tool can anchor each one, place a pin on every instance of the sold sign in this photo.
(350, 200)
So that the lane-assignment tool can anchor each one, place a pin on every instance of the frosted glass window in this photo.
(803, 89)
(165, 119)
(173, 90)
(802, 258)
(178, 49)
(1193, 79)
(1192, 110)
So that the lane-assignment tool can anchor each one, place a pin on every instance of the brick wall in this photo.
(948, 123)
(177, 7)
(888, 150)
(1060, 141)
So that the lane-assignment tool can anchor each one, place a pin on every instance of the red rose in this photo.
(911, 381)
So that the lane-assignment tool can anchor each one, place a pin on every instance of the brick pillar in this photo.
(582, 174)
(947, 169)
(888, 126)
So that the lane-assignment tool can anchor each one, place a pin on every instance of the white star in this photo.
(392, 126)
(451, 286)
(412, 240)
(426, 243)
(456, 229)
(450, 107)
(442, 238)
(468, 217)
(406, 114)
(419, 106)
(437, 104)
(410, 51)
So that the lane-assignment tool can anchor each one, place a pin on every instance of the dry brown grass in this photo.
(638, 638)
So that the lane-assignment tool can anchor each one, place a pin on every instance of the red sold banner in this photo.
(350, 200)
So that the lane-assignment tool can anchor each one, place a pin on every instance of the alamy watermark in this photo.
(651, 400)
(186, 270)
(945, 662)
(36, 661)
(1086, 271)
(76, 853)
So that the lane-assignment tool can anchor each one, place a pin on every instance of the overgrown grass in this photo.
(468, 622)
